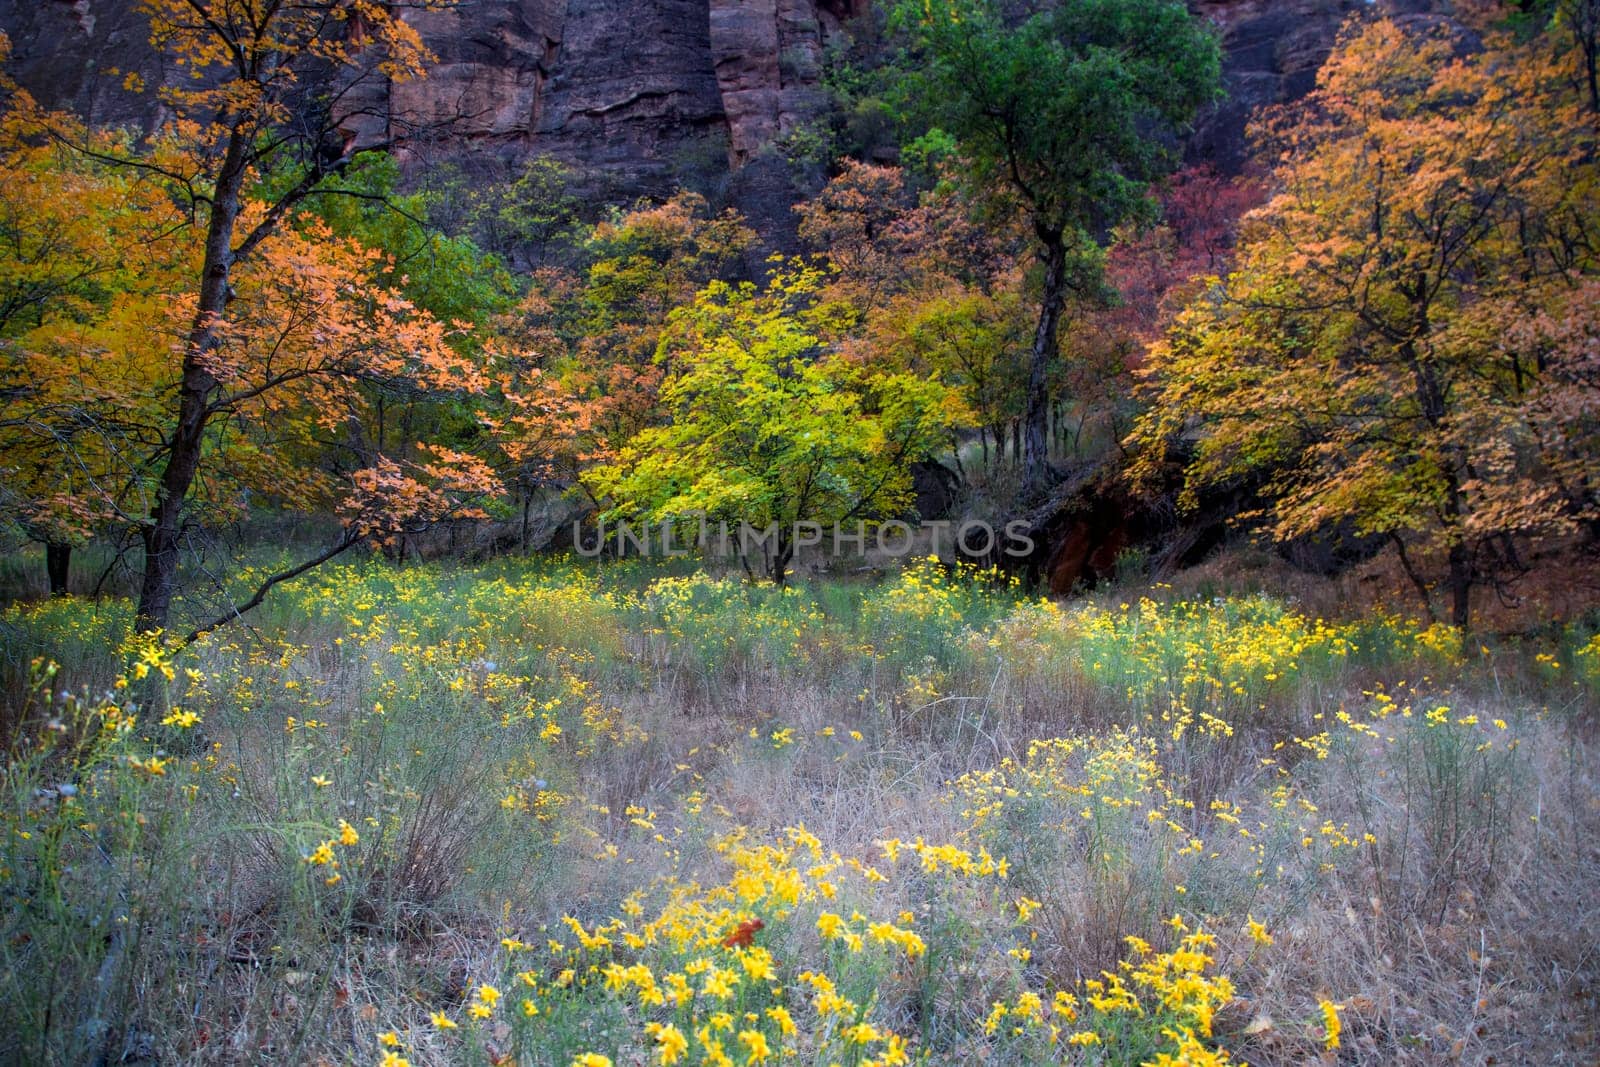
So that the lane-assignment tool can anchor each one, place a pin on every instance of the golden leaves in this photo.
(1400, 330)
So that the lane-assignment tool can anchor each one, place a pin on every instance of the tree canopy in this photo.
(1405, 343)
(1069, 110)
(764, 427)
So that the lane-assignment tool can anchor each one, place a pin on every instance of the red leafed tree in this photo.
(1153, 272)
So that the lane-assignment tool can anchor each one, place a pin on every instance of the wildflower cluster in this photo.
(1155, 1008)
(694, 979)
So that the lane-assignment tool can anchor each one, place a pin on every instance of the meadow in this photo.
(569, 813)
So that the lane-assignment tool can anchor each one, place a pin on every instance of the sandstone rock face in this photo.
(77, 54)
(1271, 52)
(635, 94)
(632, 89)
(493, 65)
(768, 59)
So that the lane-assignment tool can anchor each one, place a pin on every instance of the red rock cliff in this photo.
(636, 93)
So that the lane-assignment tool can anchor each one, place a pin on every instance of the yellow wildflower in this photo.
(1331, 1024)
(671, 1045)
(755, 1042)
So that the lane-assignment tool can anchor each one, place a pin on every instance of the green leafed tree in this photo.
(766, 427)
(1067, 111)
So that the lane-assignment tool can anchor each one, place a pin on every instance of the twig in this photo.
(349, 540)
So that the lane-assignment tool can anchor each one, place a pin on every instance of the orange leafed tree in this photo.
(92, 355)
(1407, 343)
(282, 324)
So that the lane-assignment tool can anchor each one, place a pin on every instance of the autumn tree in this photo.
(264, 86)
(765, 427)
(1406, 342)
(975, 341)
(230, 373)
(579, 374)
(1581, 18)
(859, 221)
(1069, 109)
(933, 283)
(314, 338)
(81, 244)
(885, 237)
(647, 262)
(1152, 268)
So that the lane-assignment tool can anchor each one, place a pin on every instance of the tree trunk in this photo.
(1585, 20)
(778, 563)
(57, 563)
(1431, 400)
(1460, 587)
(165, 530)
(1592, 65)
(1460, 556)
(1036, 421)
(955, 454)
(1415, 575)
